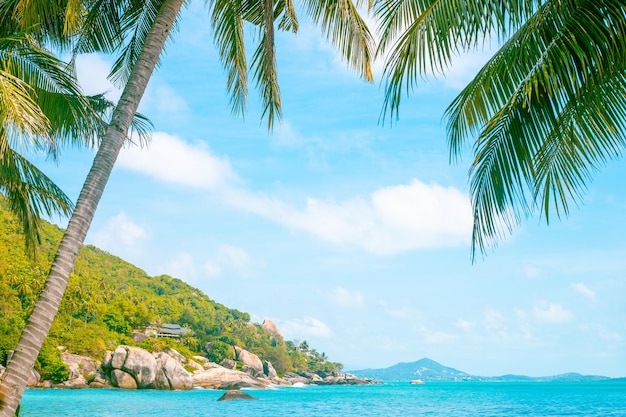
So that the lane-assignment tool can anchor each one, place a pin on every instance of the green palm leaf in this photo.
(544, 112)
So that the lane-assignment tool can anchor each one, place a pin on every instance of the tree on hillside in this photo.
(151, 22)
(544, 112)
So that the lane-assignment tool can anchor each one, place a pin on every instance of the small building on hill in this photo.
(173, 331)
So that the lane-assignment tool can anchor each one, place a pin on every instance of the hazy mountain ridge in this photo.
(430, 371)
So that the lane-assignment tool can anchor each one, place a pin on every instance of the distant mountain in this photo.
(429, 371)
(424, 369)
(568, 377)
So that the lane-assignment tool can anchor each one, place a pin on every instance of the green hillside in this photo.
(107, 298)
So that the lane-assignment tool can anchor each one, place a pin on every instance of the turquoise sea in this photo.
(607, 398)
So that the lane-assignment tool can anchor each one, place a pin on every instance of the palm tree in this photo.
(546, 110)
(153, 22)
(41, 108)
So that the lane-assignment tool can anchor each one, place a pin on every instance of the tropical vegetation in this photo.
(542, 115)
(107, 299)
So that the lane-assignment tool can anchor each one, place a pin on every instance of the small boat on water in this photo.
(417, 382)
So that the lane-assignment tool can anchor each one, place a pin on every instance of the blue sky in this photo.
(349, 234)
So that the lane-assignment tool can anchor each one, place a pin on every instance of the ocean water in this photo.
(607, 398)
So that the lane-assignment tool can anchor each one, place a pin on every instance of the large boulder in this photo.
(160, 370)
(296, 379)
(141, 364)
(253, 372)
(170, 373)
(228, 363)
(272, 329)
(218, 377)
(202, 360)
(33, 378)
(122, 379)
(194, 365)
(117, 358)
(269, 371)
(80, 366)
(249, 359)
(138, 337)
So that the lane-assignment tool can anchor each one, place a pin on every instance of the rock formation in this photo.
(269, 371)
(218, 377)
(272, 329)
(250, 360)
(132, 367)
(235, 395)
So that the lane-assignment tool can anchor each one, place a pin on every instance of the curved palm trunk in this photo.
(14, 379)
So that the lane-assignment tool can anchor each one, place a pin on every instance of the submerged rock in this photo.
(235, 395)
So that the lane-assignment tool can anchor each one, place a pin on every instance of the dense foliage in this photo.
(107, 298)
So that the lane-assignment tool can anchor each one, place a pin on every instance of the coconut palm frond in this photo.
(264, 64)
(345, 29)
(422, 36)
(543, 113)
(30, 193)
(228, 26)
(137, 21)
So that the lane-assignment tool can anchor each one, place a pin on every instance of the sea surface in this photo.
(588, 399)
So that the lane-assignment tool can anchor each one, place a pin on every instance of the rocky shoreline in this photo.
(130, 367)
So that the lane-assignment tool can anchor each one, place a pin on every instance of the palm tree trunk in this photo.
(13, 381)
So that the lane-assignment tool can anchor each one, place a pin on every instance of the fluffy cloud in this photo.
(164, 99)
(464, 325)
(231, 259)
(531, 271)
(582, 289)
(182, 266)
(173, 160)
(92, 71)
(345, 298)
(552, 313)
(390, 220)
(120, 236)
(307, 326)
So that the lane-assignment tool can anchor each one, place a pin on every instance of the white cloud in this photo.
(582, 289)
(92, 71)
(211, 269)
(182, 266)
(390, 220)
(495, 323)
(307, 326)
(120, 236)
(230, 259)
(164, 99)
(405, 313)
(465, 325)
(531, 271)
(346, 298)
(170, 159)
(552, 313)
